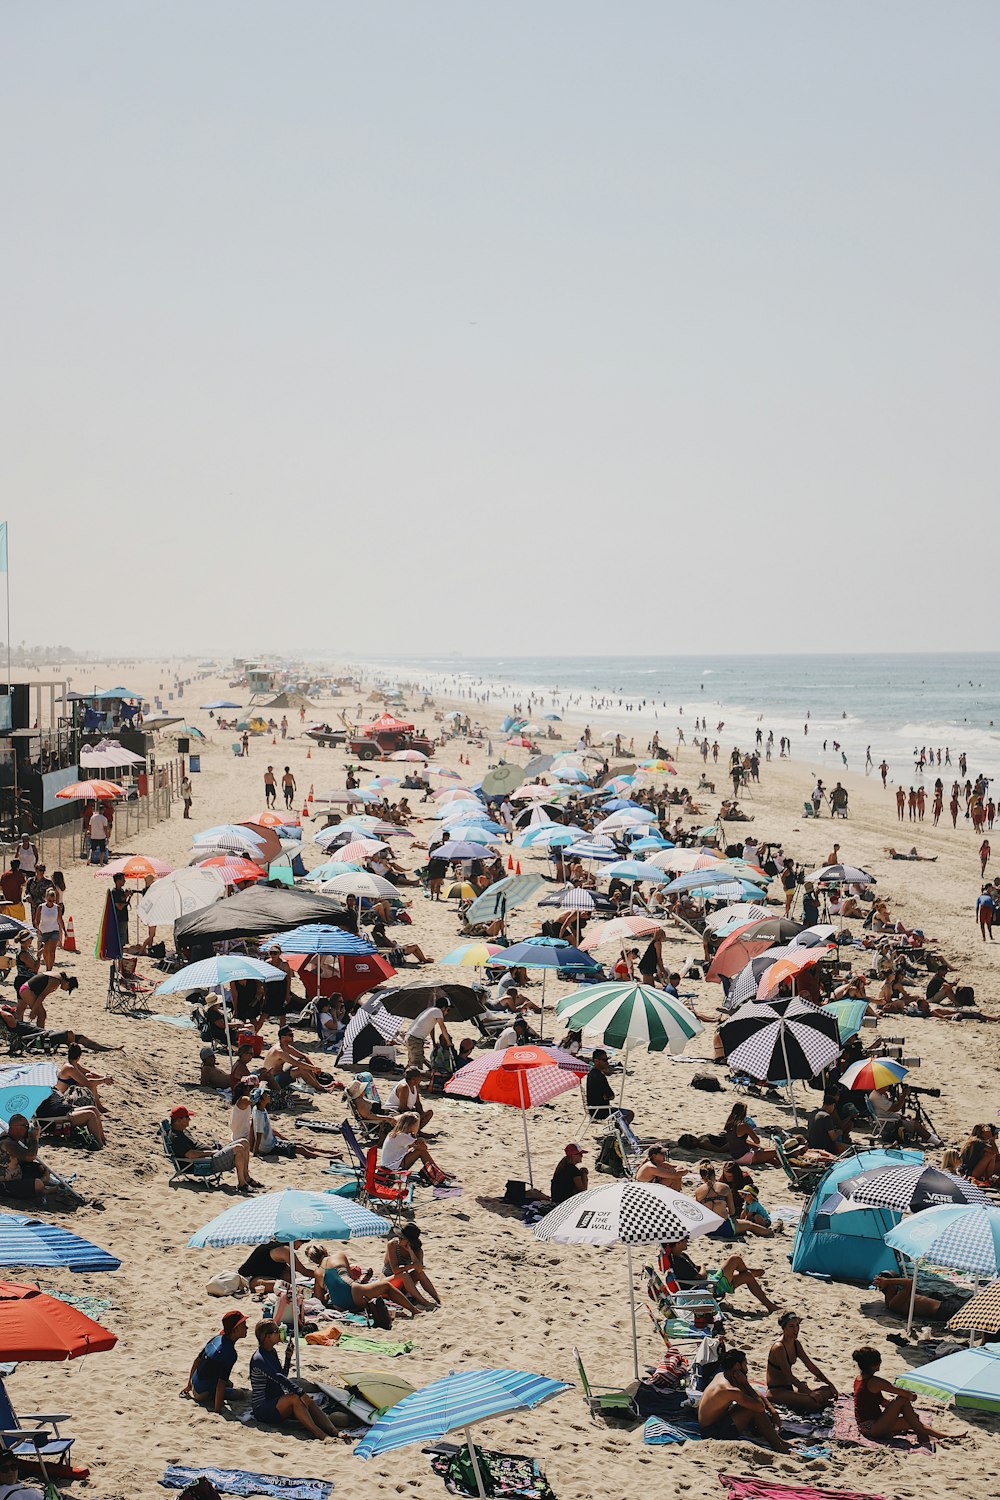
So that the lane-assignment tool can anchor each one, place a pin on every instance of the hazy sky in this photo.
(508, 327)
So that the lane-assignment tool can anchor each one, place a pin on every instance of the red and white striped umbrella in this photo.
(87, 791)
(359, 850)
(519, 1076)
(619, 930)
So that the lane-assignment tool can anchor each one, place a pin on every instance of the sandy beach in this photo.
(507, 1299)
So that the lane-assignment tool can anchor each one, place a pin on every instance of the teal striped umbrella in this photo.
(628, 1015)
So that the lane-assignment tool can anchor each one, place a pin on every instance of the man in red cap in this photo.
(570, 1176)
(209, 1383)
(223, 1159)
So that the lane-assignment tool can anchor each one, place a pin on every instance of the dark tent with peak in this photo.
(289, 700)
(255, 913)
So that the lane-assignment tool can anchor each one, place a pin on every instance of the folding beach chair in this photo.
(41, 1441)
(127, 992)
(604, 1400)
(802, 1177)
(200, 1171)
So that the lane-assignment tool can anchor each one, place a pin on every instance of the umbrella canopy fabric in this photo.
(234, 869)
(502, 779)
(456, 1401)
(965, 1237)
(516, 1075)
(361, 884)
(238, 835)
(726, 921)
(25, 1241)
(474, 833)
(21, 1099)
(850, 1015)
(288, 1215)
(630, 1015)
(574, 898)
(786, 968)
(180, 893)
(781, 1040)
(503, 896)
(841, 875)
(360, 849)
(256, 912)
(873, 1073)
(734, 953)
(972, 1376)
(369, 1027)
(318, 937)
(457, 849)
(620, 930)
(223, 969)
(460, 890)
(471, 955)
(910, 1188)
(636, 871)
(35, 1326)
(136, 867)
(626, 1213)
(981, 1314)
(744, 986)
(90, 791)
(543, 953)
(330, 869)
(465, 1001)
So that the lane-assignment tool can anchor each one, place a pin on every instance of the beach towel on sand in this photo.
(245, 1482)
(845, 1430)
(505, 1475)
(765, 1489)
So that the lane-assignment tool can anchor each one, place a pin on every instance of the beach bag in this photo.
(965, 995)
(707, 1082)
(225, 1284)
(610, 1158)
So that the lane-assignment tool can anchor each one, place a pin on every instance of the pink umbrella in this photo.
(519, 1076)
(136, 867)
(359, 850)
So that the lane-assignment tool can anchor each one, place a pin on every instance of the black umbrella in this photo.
(778, 929)
(909, 1188)
(781, 1040)
(744, 986)
(465, 1000)
(371, 1026)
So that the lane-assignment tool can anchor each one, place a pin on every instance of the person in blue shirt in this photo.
(208, 1381)
(276, 1399)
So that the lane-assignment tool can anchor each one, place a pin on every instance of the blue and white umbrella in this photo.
(599, 848)
(33, 1242)
(636, 870)
(501, 897)
(288, 1216)
(317, 937)
(476, 833)
(20, 1099)
(331, 868)
(454, 1403)
(964, 1236)
(210, 973)
(233, 836)
(456, 850)
(548, 836)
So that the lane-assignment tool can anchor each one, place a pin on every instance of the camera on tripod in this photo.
(926, 1093)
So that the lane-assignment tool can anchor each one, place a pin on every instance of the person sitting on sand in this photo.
(210, 1075)
(881, 1409)
(730, 1408)
(272, 1262)
(208, 1380)
(286, 1063)
(402, 1149)
(657, 1168)
(266, 1141)
(339, 1285)
(731, 1275)
(396, 953)
(11, 1487)
(980, 1157)
(783, 1385)
(742, 1141)
(404, 1265)
(274, 1398)
(22, 1175)
(897, 1291)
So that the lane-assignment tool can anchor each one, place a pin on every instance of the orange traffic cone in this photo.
(309, 753)
(518, 869)
(310, 798)
(305, 809)
(69, 944)
(510, 861)
(274, 739)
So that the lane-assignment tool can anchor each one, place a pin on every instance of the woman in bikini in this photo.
(783, 1385)
(743, 1143)
(881, 1409)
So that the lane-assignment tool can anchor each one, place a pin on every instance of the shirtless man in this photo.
(730, 1408)
(656, 1168)
(286, 1062)
(782, 1383)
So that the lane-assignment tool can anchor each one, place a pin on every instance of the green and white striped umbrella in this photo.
(627, 1015)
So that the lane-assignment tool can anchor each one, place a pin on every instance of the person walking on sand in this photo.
(985, 907)
(953, 809)
(245, 743)
(186, 795)
(984, 856)
(270, 787)
(288, 787)
(900, 802)
(883, 771)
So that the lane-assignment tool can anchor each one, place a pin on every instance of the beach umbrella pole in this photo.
(913, 1298)
(227, 1011)
(631, 1300)
(784, 1058)
(621, 1091)
(475, 1463)
(524, 1125)
(295, 1311)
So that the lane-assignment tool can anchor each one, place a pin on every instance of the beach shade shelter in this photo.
(502, 780)
(136, 867)
(970, 1376)
(910, 1187)
(544, 953)
(221, 703)
(779, 1041)
(317, 938)
(465, 1001)
(850, 1014)
(471, 955)
(455, 1403)
(965, 1237)
(257, 912)
(841, 875)
(520, 1077)
(461, 890)
(620, 930)
(476, 833)
(234, 836)
(330, 869)
(627, 1015)
(363, 884)
(179, 893)
(371, 1026)
(35, 1326)
(28, 1242)
(728, 920)
(215, 973)
(870, 1073)
(735, 952)
(457, 850)
(725, 890)
(786, 968)
(981, 1314)
(234, 869)
(702, 879)
(635, 871)
(848, 1245)
(90, 791)
(357, 850)
(744, 986)
(627, 1213)
(503, 896)
(290, 1216)
(600, 848)
(359, 965)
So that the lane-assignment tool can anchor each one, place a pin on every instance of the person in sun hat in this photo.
(208, 1380)
(570, 1176)
(235, 1157)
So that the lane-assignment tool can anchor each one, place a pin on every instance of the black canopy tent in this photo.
(255, 913)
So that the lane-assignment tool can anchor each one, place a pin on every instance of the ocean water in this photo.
(895, 704)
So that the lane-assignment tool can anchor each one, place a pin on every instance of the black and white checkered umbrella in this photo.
(626, 1213)
(910, 1187)
(368, 1028)
(841, 875)
(744, 986)
(781, 1040)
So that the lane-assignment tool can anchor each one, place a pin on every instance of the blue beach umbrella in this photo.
(21, 1099)
(646, 842)
(635, 870)
(601, 848)
(317, 937)
(963, 1236)
(456, 849)
(287, 1216)
(334, 867)
(33, 1242)
(455, 1403)
(726, 890)
(501, 897)
(476, 833)
(208, 973)
(972, 1376)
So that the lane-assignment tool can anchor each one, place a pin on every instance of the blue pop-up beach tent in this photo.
(848, 1246)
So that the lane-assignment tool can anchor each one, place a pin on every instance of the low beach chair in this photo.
(127, 991)
(604, 1400)
(803, 1177)
(200, 1171)
(40, 1441)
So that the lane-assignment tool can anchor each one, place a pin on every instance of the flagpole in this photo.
(10, 686)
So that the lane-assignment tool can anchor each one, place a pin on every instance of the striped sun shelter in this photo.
(630, 1015)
